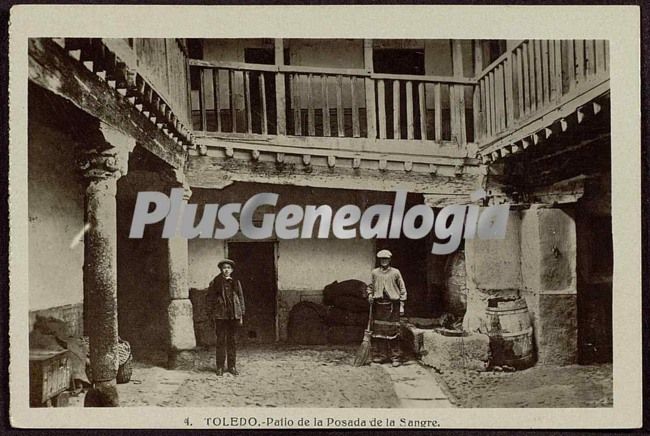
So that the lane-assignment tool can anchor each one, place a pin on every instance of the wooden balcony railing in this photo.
(322, 102)
(533, 78)
(161, 64)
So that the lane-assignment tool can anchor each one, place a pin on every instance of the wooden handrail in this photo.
(424, 78)
(356, 72)
(499, 60)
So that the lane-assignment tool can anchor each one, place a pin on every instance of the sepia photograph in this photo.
(321, 222)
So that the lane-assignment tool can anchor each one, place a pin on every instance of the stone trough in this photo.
(442, 352)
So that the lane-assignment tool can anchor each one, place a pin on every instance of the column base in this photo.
(102, 394)
(182, 359)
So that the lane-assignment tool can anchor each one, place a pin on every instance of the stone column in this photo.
(548, 267)
(102, 167)
(179, 312)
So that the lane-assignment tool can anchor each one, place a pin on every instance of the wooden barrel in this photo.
(511, 333)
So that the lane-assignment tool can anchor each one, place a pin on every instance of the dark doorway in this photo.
(255, 269)
(410, 257)
(400, 61)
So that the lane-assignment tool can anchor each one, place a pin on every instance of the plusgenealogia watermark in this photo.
(298, 222)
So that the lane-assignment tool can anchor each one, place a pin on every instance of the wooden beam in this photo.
(416, 150)
(211, 172)
(51, 68)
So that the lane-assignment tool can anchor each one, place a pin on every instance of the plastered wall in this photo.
(55, 207)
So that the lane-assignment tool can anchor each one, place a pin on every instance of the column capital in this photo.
(109, 156)
(104, 164)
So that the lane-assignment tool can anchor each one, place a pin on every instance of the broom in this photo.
(363, 353)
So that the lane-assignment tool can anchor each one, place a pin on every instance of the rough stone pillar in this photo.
(102, 167)
(179, 312)
(548, 264)
(493, 270)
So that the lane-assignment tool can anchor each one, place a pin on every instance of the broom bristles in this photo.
(363, 353)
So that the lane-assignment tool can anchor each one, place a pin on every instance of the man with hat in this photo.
(226, 305)
(387, 294)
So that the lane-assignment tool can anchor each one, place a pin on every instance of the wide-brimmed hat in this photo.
(226, 261)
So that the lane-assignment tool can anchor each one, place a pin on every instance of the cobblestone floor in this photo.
(566, 386)
(277, 376)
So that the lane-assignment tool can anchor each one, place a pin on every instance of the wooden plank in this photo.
(356, 132)
(493, 107)
(546, 80)
(233, 110)
(327, 131)
(280, 104)
(460, 92)
(263, 116)
(356, 72)
(484, 107)
(371, 109)
(531, 75)
(518, 64)
(410, 125)
(580, 61)
(539, 78)
(241, 66)
(381, 108)
(499, 100)
(552, 94)
(590, 58)
(296, 105)
(396, 115)
(558, 69)
(423, 111)
(453, 113)
(571, 64)
(202, 101)
(217, 98)
(478, 101)
(525, 79)
(339, 105)
(437, 107)
(280, 92)
(600, 56)
(247, 99)
(509, 102)
(311, 121)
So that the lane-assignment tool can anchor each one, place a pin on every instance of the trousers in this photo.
(226, 331)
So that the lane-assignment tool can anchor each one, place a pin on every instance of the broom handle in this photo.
(370, 316)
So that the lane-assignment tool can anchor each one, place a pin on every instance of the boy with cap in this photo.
(387, 294)
(226, 305)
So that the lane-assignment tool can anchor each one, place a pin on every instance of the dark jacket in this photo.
(217, 299)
